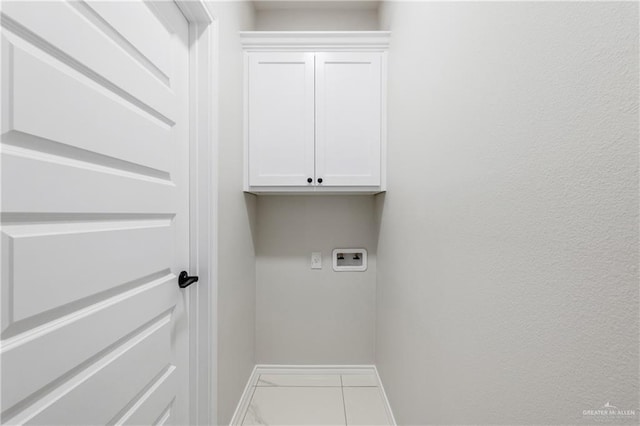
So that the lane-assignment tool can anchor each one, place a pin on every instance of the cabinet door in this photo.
(281, 119)
(348, 118)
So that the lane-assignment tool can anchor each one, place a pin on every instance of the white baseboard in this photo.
(387, 406)
(245, 400)
(314, 369)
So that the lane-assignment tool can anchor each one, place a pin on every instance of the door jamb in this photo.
(203, 198)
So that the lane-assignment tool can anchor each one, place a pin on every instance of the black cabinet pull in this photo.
(309, 180)
(319, 180)
(184, 280)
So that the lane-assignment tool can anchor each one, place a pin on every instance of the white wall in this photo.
(317, 19)
(508, 248)
(236, 213)
(307, 316)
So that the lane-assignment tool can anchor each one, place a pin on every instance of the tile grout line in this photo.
(358, 386)
(250, 400)
(344, 403)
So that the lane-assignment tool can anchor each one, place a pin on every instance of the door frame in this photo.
(203, 198)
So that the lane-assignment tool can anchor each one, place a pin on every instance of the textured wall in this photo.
(306, 316)
(236, 216)
(508, 250)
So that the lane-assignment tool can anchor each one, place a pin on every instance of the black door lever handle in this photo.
(184, 280)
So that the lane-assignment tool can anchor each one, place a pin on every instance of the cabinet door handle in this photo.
(309, 180)
(319, 180)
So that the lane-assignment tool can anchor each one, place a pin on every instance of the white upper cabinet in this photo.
(281, 118)
(348, 118)
(315, 111)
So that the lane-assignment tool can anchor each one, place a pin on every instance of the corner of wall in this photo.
(236, 217)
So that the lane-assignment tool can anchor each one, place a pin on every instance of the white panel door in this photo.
(280, 117)
(94, 213)
(348, 118)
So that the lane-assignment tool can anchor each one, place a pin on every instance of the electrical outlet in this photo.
(316, 260)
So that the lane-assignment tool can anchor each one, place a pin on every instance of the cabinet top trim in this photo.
(315, 40)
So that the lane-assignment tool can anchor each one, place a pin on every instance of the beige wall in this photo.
(306, 316)
(508, 250)
(236, 216)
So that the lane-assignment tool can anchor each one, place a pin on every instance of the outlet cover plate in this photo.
(316, 260)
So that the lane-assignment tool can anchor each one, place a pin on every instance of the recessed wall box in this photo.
(349, 259)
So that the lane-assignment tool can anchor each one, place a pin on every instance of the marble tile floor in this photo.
(316, 399)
